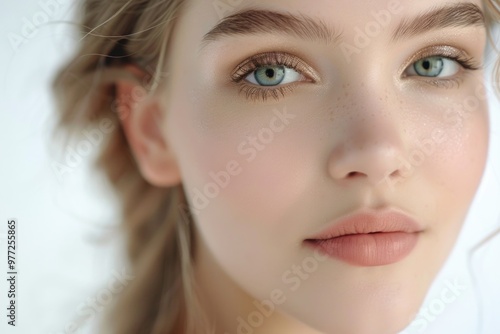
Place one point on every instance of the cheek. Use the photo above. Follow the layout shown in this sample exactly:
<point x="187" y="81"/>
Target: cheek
<point x="461" y="150"/>
<point x="243" y="181"/>
<point x="452" y="172"/>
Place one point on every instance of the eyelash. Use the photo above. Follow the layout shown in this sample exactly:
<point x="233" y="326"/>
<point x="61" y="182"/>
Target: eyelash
<point x="467" y="64"/>
<point x="253" y="92"/>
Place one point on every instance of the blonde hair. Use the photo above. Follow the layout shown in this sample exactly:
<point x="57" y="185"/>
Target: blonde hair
<point x="162" y="296"/>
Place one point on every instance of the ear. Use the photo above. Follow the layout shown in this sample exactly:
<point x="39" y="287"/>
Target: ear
<point x="141" y="117"/>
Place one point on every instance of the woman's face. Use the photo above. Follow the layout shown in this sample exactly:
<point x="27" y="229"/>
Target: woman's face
<point x="282" y="124"/>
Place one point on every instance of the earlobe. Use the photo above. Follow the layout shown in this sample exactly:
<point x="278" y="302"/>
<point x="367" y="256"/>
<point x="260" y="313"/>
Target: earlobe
<point x="141" y="116"/>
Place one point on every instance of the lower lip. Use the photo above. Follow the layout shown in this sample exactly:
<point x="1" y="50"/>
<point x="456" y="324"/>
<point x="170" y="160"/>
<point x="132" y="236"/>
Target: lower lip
<point x="374" y="249"/>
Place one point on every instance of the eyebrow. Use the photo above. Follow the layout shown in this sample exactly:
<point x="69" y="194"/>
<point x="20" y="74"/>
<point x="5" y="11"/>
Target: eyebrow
<point x="458" y="15"/>
<point x="255" y="21"/>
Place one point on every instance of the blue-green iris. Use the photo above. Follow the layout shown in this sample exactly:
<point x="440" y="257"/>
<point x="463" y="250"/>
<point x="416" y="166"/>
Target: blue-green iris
<point x="270" y="75"/>
<point x="429" y="67"/>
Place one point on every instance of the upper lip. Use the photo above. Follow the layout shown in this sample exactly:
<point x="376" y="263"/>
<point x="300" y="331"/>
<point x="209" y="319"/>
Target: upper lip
<point x="369" y="221"/>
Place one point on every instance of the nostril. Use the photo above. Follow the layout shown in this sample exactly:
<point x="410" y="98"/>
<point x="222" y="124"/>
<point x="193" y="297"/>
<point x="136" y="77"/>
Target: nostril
<point x="352" y="174"/>
<point x="396" y="173"/>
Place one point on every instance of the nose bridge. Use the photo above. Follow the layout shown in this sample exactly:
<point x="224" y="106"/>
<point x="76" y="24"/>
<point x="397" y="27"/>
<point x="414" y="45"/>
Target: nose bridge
<point x="376" y="112"/>
<point x="373" y="139"/>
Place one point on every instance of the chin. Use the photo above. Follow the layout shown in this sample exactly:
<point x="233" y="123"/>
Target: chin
<point x="366" y="324"/>
<point x="366" y="311"/>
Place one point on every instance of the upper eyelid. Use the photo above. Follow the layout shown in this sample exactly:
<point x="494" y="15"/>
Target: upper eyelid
<point x="444" y="51"/>
<point x="462" y="70"/>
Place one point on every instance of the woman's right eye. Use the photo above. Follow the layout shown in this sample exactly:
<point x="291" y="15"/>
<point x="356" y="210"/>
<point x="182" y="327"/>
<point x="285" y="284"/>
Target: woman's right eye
<point x="274" y="75"/>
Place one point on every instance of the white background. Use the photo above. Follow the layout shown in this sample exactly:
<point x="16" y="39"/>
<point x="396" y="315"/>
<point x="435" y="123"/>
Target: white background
<point x="68" y="246"/>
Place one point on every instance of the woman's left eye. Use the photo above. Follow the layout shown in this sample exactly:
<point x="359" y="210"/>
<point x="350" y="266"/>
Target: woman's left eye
<point x="434" y="67"/>
<point x="274" y="75"/>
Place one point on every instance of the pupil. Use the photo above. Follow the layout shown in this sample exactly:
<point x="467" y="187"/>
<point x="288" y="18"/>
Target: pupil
<point x="427" y="64"/>
<point x="270" y="73"/>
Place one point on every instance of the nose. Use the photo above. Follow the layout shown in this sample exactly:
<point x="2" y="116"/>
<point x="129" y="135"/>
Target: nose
<point x="370" y="150"/>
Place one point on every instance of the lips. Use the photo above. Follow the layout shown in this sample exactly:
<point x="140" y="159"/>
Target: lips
<point x="368" y="238"/>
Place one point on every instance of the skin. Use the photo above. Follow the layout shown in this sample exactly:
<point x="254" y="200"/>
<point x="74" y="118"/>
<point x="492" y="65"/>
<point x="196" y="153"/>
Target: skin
<point x="342" y="151"/>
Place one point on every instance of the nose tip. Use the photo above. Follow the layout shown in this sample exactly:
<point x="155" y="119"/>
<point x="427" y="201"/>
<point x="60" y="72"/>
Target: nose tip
<point x="371" y="163"/>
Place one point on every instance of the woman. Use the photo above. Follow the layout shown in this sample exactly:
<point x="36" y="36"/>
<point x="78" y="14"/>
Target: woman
<point x="283" y="167"/>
